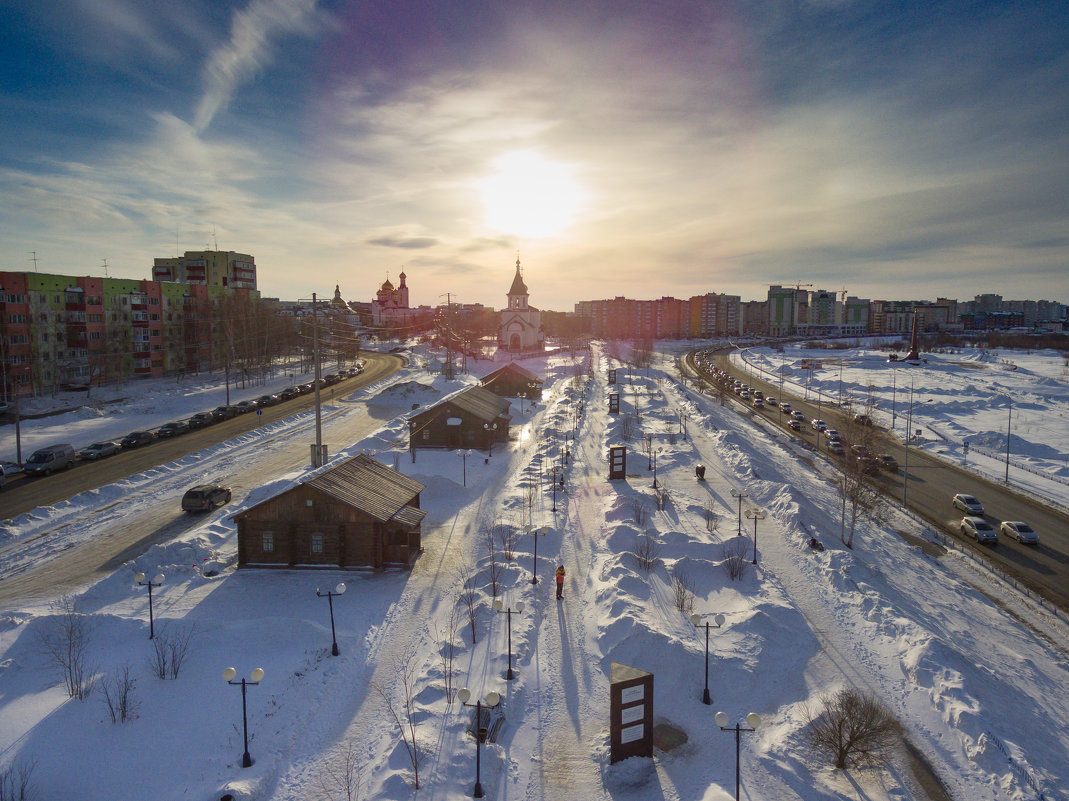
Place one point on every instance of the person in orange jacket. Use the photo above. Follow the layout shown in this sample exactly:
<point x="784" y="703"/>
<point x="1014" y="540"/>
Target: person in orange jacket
<point x="560" y="581"/>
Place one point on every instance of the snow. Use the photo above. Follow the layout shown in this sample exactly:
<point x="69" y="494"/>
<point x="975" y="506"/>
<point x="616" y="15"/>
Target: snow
<point x="976" y="684"/>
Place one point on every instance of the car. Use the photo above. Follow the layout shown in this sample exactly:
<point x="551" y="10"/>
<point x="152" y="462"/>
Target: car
<point x="832" y="435"/>
<point x="794" y="424"/>
<point x="819" y="424"/>
<point x="47" y="460"/>
<point x="289" y="393"/>
<point x="136" y="438"/>
<point x="863" y="419"/>
<point x="797" y="415"/>
<point x="354" y="371"/>
<point x="201" y="419"/>
<point x="99" y="450"/>
<point x="888" y="462"/>
<point x="1020" y="531"/>
<point x="205" y="498"/>
<point x="247" y="406"/>
<point x="786" y="407"/>
<point x="758" y="403"/>
<point x="304" y="389"/>
<point x="744" y="395"/>
<point x="869" y="465"/>
<point x="172" y="429"/>
<point x="224" y="412"/>
<point x="860" y="450"/>
<point x="836" y="447"/>
<point x="268" y="400"/>
<point x="979" y="529"/>
<point x="331" y="379"/>
<point x="770" y="401"/>
<point x="10" y="469"/>
<point x="968" y="503"/>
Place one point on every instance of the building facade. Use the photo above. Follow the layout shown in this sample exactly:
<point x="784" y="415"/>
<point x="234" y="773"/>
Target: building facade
<point x="218" y="268"/>
<point x="521" y="323"/>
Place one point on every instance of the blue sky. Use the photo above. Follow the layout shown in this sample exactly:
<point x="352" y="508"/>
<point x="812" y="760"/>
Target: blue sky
<point x="899" y="150"/>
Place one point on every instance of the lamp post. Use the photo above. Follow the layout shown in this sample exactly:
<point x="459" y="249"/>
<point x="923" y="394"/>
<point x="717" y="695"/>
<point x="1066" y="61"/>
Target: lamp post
<point x="722" y="721"/>
<point x="537" y="532"/>
<point x="718" y="621"/>
<point x="254" y="678"/>
<point x="553" y="481"/>
<point x="658" y="450"/>
<point x="740" y="496"/>
<point x="909" y="432"/>
<point x="330" y="601"/>
<point x="492" y="700"/>
<point x="499" y="606"/>
<point x="155" y="581"/>
<point x="755" y="515"/>
<point x="1009" y="413"/>
<point x="464" y="455"/>
<point x="490" y="428"/>
<point x="649" y="451"/>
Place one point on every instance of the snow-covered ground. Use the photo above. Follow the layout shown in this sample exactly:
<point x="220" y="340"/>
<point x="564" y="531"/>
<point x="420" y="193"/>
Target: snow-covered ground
<point x="978" y="686"/>
<point x="961" y="397"/>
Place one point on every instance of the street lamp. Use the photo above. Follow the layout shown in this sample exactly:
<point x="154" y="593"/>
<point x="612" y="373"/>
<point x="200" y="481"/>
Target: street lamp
<point x="755" y="515"/>
<point x="655" y="452"/>
<point x="330" y="601"/>
<point x="722" y="721"/>
<point x="492" y="700"/>
<point x="740" y="496"/>
<point x="537" y="532"/>
<point x="649" y="451"/>
<point x="490" y="428"/>
<point x="254" y="678"/>
<point x="909" y="433"/>
<point x="718" y="621"/>
<point x="553" y="481"/>
<point x="155" y="581"/>
<point x="499" y="606"/>
<point x="464" y="455"/>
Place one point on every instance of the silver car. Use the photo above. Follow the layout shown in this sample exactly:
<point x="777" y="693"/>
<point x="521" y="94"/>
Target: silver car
<point x="979" y="529"/>
<point x="968" y="504"/>
<point x="1020" y="531"/>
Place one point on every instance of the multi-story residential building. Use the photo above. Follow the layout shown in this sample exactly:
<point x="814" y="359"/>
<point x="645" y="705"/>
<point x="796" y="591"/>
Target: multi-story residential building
<point x="713" y="315"/>
<point x="220" y="268"/>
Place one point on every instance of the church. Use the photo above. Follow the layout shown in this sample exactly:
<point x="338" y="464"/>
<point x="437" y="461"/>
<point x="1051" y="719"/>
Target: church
<point x="521" y="323"/>
<point x="390" y="307"/>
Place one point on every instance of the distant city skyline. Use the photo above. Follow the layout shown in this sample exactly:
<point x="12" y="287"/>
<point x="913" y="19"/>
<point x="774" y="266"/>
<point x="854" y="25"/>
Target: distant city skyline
<point x="619" y="148"/>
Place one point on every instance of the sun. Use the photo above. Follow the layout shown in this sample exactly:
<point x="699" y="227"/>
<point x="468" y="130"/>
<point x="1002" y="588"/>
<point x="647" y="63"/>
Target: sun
<point x="529" y="196"/>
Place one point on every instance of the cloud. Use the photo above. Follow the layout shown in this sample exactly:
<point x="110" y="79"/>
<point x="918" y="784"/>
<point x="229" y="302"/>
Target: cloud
<point x="249" y="49"/>
<point x="403" y="242"/>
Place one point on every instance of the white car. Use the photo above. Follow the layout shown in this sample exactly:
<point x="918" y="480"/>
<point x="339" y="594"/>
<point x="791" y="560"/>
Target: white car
<point x="832" y="435"/>
<point x="786" y="407"/>
<point x="968" y="504"/>
<point x="819" y="425"/>
<point x="979" y="529"/>
<point x="1020" y="531"/>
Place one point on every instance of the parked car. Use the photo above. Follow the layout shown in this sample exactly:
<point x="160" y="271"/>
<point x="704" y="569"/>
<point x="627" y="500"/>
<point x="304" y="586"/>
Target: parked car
<point x="201" y="419"/>
<point x="205" y="498"/>
<point x="172" y="429"/>
<point x="968" y="504"/>
<point x="247" y="406"/>
<point x="136" y="438"/>
<point x="819" y="425"/>
<point x="99" y="450"/>
<point x="794" y="424"/>
<point x="1020" y="531"/>
<point x="888" y="462"/>
<point x="9" y="469"/>
<point x="47" y="460"/>
<point x="979" y="529"/>
<point x="224" y="412"/>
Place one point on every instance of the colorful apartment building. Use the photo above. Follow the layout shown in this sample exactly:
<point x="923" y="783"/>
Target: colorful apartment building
<point x="218" y="268"/>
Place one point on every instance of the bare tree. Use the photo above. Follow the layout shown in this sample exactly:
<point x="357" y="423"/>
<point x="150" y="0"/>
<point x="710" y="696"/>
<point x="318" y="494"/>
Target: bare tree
<point x="15" y="781"/>
<point x="469" y="595"/>
<point x="506" y="537"/>
<point x="639" y="510"/>
<point x="118" y="692"/>
<point x="854" y="729"/>
<point x="493" y="560"/>
<point x="647" y="552"/>
<point x="66" y="642"/>
<point x="170" y="649"/>
<point x="861" y="498"/>
<point x="447" y="647"/>
<point x="682" y="590"/>
<point x="341" y="782"/>
<point x="712" y="519"/>
<point x="735" y="561"/>
<point x="402" y="710"/>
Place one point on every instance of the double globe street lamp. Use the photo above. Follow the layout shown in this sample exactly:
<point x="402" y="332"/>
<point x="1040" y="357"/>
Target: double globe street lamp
<point x="255" y="678"/>
<point x="492" y="699"/>
<point x="722" y="720"/>
<point x="499" y="606"/>
<point x="718" y="621"/>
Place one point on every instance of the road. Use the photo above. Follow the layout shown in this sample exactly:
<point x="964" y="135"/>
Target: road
<point x="927" y="486"/>
<point x="29" y="569"/>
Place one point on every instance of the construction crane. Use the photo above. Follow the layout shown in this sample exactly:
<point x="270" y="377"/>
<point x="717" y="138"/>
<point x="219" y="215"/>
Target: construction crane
<point x="842" y="295"/>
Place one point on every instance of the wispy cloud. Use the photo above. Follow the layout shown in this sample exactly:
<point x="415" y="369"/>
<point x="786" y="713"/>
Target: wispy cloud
<point x="252" y="31"/>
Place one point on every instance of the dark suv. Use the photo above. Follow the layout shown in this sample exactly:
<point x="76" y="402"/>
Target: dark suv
<point x="135" y="438"/>
<point x="205" y="497"/>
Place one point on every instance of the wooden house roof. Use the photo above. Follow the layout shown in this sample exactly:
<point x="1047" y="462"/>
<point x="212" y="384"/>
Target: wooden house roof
<point x="372" y="487"/>
<point x="512" y="367"/>
<point x="477" y="401"/>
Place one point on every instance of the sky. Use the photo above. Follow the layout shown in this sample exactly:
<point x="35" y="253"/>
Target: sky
<point x="897" y="150"/>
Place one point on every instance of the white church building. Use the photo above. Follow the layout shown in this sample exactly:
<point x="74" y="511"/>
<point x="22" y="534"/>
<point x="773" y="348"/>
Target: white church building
<point x="521" y="323"/>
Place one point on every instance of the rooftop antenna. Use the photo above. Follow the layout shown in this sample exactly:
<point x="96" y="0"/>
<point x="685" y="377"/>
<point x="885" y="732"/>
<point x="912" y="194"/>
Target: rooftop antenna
<point x="33" y="254"/>
<point x="105" y="268"/>
<point x="215" y="241"/>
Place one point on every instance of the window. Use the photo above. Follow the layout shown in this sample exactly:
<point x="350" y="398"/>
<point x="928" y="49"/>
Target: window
<point x="317" y="543"/>
<point x="426" y="434"/>
<point x="269" y="543"/>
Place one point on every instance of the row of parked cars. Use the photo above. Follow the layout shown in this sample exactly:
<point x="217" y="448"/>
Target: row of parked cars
<point x="974" y="525"/>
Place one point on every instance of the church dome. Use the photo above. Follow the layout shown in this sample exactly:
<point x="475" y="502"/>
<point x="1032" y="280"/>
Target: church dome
<point x="387" y="286"/>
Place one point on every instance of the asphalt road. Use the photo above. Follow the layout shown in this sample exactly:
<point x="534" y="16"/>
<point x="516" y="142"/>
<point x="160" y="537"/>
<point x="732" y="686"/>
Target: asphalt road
<point x="929" y="484"/>
<point x="120" y="538"/>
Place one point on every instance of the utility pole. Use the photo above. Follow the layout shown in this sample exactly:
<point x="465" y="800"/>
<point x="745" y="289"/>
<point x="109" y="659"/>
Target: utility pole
<point x="317" y="454"/>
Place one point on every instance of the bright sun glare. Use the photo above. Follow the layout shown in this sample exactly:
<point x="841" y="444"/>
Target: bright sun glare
<point x="530" y="196"/>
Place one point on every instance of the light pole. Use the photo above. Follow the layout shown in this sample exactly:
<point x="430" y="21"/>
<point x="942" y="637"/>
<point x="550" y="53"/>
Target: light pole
<point x="722" y="721"/>
<point x="909" y="432"/>
<point x="490" y="428"/>
<point x="1009" y="413"/>
<point x="536" y="532"/>
<point x="740" y="496"/>
<point x="155" y="581"/>
<point x="464" y="455"/>
<point x="492" y="700"/>
<point x="649" y="451"/>
<point x="553" y="481"/>
<point x="658" y="450"/>
<point x="755" y="515"/>
<point x="499" y="606"/>
<point x="330" y="601"/>
<point x="718" y="621"/>
<point x="254" y="678"/>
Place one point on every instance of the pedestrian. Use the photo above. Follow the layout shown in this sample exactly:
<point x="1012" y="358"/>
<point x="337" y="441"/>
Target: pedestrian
<point x="560" y="581"/>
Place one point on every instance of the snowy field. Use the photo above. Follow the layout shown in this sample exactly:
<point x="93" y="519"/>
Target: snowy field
<point x="978" y="689"/>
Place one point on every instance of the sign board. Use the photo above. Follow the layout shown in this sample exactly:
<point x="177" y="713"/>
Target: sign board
<point x="453" y="421"/>
<point x="614" y="403"/>
<point x="618" y="461"/>
<point x="630" y="712"/>
<point x="612" y="376"/>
